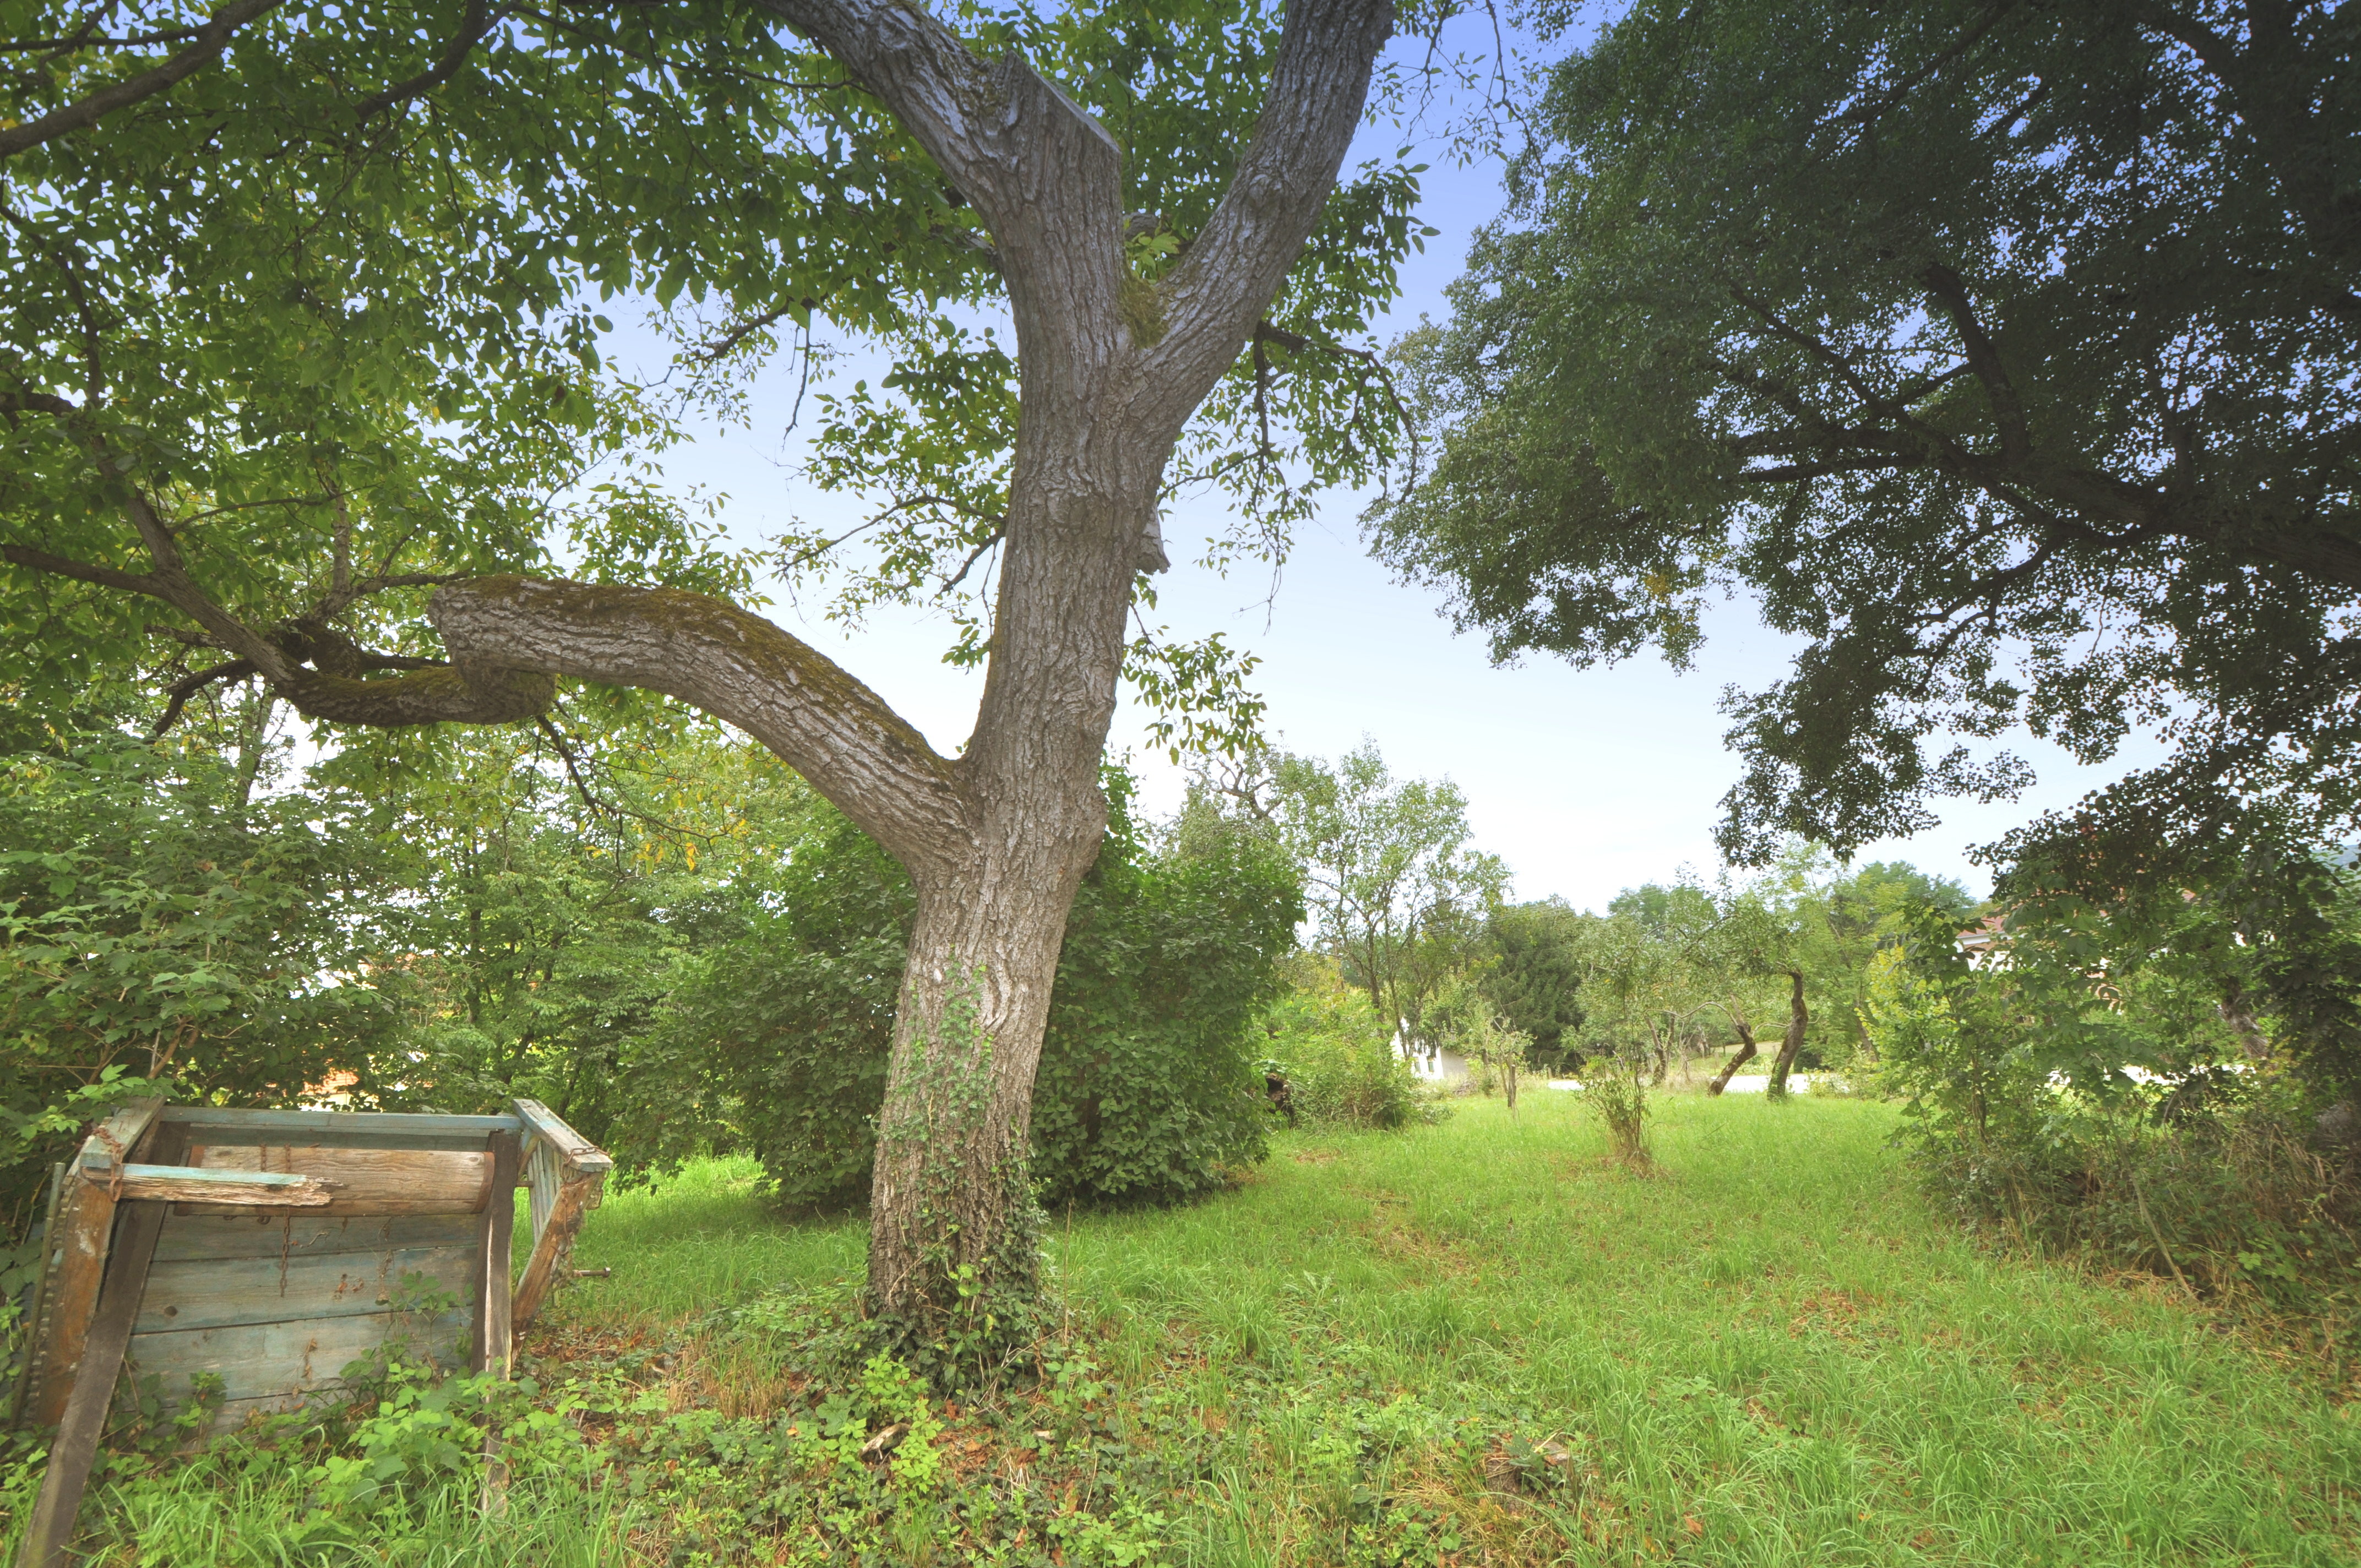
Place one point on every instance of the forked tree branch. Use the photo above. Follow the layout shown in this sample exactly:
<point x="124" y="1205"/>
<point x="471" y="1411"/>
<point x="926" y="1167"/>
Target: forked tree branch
<point x="2008" y="411"/>
<point x="1235" y="264"/>
<point x="179" y="693"/>
<point x="426" y="694"/>
<point x="478" y="20"/>
<point x="923" y="71"/>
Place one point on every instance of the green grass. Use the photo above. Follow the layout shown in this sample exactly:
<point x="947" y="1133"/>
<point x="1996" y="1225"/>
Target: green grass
<point x="1769" y="1337"/>
<point x="1767" y="1353"/>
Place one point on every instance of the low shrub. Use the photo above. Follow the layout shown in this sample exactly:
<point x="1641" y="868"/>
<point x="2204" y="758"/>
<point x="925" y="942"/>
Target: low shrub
<point x="1615" y="1090"/>
<point x="1331" y="1048"/>
<point x="2122" y="1118"/>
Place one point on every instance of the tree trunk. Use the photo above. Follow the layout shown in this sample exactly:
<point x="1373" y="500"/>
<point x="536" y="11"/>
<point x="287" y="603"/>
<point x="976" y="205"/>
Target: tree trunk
<point x="1113" y="365"/>
<point x="1112" y="369"/>
<point x="953" y="1248"/>
<point x="1745" y="1053"/>
<point x="1798" y="1018"/>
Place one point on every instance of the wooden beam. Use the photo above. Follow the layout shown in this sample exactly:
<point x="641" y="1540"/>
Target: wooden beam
<point x="567" y="1174"/>
<point x="21" y="1394"/>
<point x="366" y="1180"/>
<point x="115" y="1140"/>
<point x="550" y="1249"/>
<point x="198" y="1184"/>
<point x="578" y="1155"/>
<point x="50" y="1532"/>
<point x="77" y="1262"/>
<point x="339" y="1129"/>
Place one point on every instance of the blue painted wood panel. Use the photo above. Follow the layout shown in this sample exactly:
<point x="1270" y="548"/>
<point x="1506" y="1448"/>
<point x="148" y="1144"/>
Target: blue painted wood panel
<point x="215" y="1292"/>
<point x="289" y="1234"/>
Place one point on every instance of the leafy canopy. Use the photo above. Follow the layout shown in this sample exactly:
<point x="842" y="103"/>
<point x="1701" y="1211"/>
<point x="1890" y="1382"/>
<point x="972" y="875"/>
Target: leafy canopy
<point x="2002" y="353"/>
<point x="328" y="311"/>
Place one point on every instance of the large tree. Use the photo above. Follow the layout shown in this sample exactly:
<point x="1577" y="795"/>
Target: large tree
<point x="300" y="340"/>
<point x="2003" y="353"/>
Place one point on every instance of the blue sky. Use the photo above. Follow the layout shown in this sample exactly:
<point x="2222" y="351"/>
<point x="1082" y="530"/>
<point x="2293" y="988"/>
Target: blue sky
<point x="1585" y="781"/>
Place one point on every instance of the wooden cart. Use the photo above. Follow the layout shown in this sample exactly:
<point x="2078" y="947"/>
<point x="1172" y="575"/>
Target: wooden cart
<point x="272" y="1249"/>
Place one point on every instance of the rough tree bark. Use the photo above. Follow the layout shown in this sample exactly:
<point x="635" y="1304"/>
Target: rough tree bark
<point x="1799" y="1018"/>
<point x="995" y="841"/>
<point x="1745" y="1052"/>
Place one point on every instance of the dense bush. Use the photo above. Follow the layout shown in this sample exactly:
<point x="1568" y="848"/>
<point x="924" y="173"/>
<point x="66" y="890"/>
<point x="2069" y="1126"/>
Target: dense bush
<point x="158" y="925"/>
<point x="775" y="1037"/>
<point x="777" y="1042"/>
<point x="1150" y="1086"/>
<point x="2099" y="1094"/>
<point x="1332" y="1049"/>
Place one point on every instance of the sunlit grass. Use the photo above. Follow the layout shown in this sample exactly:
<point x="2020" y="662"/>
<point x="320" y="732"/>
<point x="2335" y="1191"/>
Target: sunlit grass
<point x="1771" y="1352"/>
<point x="1768" y="1353"/>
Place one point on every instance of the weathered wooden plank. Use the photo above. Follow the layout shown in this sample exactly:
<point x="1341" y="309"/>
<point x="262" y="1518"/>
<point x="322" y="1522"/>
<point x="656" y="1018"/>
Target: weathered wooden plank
<point x="76" y="1446"/>
<point x="213" y="1292"/>
<point x="550" y="1250"/>
<point x="251" y="1235"/>
<point x="117" y="1138"/>
<point x="258" y="1361"/>
<point x="339" y="1129"/>
<point x="21" y="1391"/>
<point x="567" y="1176"/>
<point x="78" y="1248"/>
<point x="247" y="1189"/>
<point x="577" y="1152"/>
<point x="494" y="1337"/>
<point x="370" y="1181"/>
<point x="77" y="1262"/>
<point x="544" y="1172"/>
<point x="50" y="1531"/>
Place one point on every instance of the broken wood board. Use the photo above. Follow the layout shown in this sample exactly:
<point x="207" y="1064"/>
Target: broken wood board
<point x="364" y="1180"/>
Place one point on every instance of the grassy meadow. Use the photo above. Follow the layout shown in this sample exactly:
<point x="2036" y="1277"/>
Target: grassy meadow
<point x="1474" y="1343"/>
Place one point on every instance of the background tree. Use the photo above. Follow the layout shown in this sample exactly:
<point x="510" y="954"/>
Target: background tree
<point x="1864" y="912"/>
<point x="1400" y="896"/>
<point x="1642" y="984"/>
<point x="2003" y="353"/>
<point x="302" y="331"/>
<point x="1762" y="933"/>
<point x="1535" y="978"/>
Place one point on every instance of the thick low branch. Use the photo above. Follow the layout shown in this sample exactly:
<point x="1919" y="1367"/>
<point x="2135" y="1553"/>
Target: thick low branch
<point x="836" y="732"/>
<point x="426" y="696"/>
<point x="37" y="403"/>
<point x="82" y="113"/>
